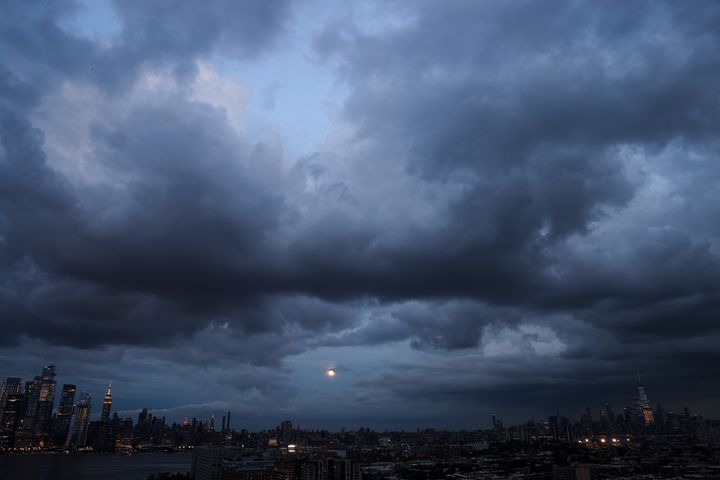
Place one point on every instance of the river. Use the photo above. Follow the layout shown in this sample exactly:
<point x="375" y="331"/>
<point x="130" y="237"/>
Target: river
<point x="91" y="466"/>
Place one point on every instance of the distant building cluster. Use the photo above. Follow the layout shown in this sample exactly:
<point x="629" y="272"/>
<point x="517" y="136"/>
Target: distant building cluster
<point x="28" y="420"/>
<point x="609" y="427"/>
<point x="641" y="440"/>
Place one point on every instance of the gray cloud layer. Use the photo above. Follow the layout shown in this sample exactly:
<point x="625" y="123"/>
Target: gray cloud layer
<point x="524" y="163"/>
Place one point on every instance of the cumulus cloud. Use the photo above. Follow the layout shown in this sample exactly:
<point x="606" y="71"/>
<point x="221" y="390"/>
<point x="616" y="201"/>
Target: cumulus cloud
<point x="517" y="196"/>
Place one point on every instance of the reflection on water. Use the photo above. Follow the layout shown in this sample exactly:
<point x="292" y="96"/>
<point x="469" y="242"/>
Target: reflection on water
<point x="91" y="466"/>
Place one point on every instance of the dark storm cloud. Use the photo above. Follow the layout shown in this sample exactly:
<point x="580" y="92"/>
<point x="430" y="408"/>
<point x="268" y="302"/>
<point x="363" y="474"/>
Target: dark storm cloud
<point x="195" y="209"/>
<point x="536" y="113"/>
<point x="517" y="379"/>
<point x="430" y="325"/>
<point x="36" y="201"/>
<point x="81" y="274"/>
<point x="527" y="107"/>
<point x="504" y="169"/>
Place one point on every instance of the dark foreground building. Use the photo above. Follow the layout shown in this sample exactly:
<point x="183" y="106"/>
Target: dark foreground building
<point x="228" y="463"/>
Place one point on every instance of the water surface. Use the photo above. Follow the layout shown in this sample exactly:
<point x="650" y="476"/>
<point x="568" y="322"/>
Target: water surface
<point x="91" y="466"/>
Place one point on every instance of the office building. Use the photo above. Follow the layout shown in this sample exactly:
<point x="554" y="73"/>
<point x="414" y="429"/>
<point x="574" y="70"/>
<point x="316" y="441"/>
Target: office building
<point x="643" y="404"/>
<point x="10" y="385"/>
<point x="11" y="418"/>
<point x="342" y="469"/>
<point x="107" y="405"/>
<point x="286" y="432"/>
<point x="32" y="397"/>
<point x="207" y="462"/>
<point x="248" y="470"/>
<point x="65" y="411"/>
<point x="80" y="421"/>
<point x="46" y="400"/>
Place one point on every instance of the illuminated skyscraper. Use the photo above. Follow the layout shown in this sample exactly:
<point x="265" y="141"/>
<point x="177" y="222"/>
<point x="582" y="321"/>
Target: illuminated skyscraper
<point x="643" y="404"/>
<point x="80" y="421"/>
<point x="40" y="396"/>
<point x="67" y="397"/>
<point x="46" y="399"/>
<point x="107" y="405"/>
<point x="11" y="416"/>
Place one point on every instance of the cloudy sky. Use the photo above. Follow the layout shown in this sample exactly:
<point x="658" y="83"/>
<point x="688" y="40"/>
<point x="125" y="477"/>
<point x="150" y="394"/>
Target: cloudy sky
<point x="464" y="207"/>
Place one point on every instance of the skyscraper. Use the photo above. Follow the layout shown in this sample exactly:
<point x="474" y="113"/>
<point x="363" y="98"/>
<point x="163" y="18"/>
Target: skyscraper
<point x="80" y="420"/>
<point x="142" y="418"/>
<point x="643" y="404"/>
<point x="46" y="399"/>
<point x="32" y="397"/>
<point x="11" y="416"/>
<point x="607" y="418"/>
<point x="107" y="405"/>
<point x="67" y="397"/>
<point x="40" y="396"/>
<point x="286" y="432"/>
<point x="65" y="411"/>
<point x="10" y="385"/>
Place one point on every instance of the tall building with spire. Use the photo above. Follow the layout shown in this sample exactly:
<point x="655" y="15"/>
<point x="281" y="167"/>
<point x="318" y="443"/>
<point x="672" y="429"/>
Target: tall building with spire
<point x="643" y="404"/>
<point x="107" y="405"/>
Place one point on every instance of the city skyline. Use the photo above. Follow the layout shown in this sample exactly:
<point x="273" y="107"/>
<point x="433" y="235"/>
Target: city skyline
<point x="63" y="409"/>
<point x="383" y="213"/>
<point x="639" y="440"/>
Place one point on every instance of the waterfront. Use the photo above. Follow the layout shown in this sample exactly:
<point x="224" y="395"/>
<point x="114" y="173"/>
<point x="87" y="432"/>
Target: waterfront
<point x="91" y="466"/>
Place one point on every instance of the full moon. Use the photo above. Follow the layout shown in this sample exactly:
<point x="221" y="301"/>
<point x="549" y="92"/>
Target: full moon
<point x="331" y="372"/>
